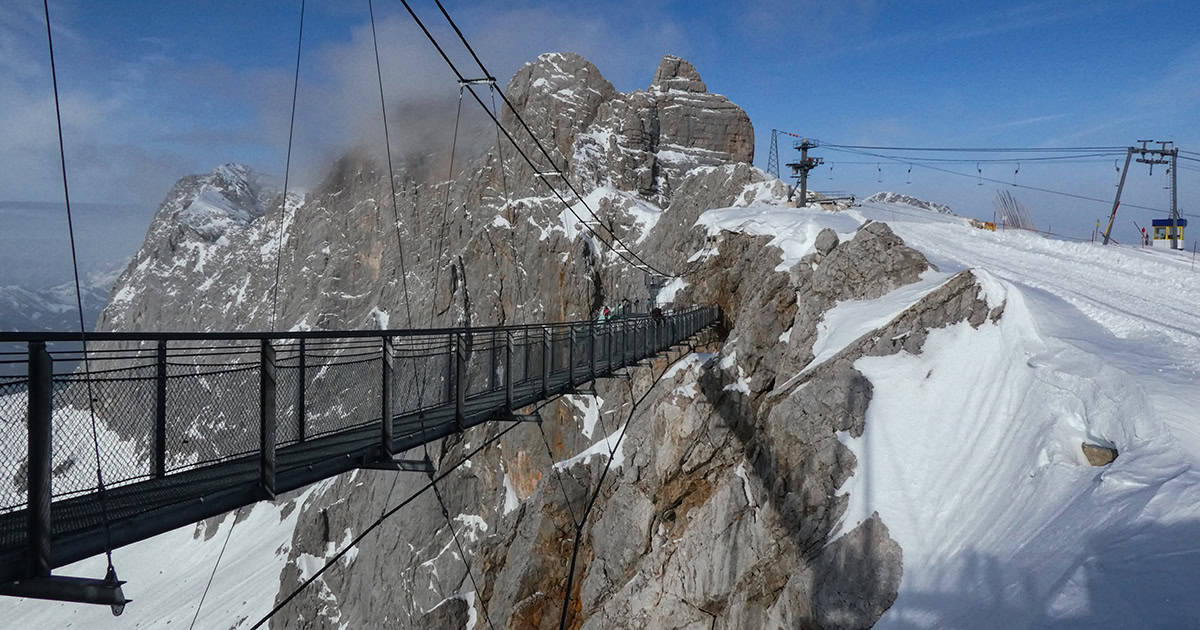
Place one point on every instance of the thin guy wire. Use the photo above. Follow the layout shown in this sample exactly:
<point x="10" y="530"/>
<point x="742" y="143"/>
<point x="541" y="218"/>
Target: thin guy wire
<point x="287" y="167"/>
<point x="379" y="521"/>
<point x="215" y="565"/>
<point x="87" y="370"/>
<point x="562" y="624"/>
<point x="462" y="555"/>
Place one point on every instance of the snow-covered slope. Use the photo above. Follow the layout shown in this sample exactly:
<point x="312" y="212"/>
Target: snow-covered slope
<point x="972" y="449"/>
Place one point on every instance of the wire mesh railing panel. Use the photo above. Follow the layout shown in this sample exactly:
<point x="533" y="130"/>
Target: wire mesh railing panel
<point x="212" y="414"/>
<point x="343" y="394"/>
<point x="14" y="439"/>
<point x="420" y="372"/>
<point x="287" y="401"/>
<point x="123" y="400"/>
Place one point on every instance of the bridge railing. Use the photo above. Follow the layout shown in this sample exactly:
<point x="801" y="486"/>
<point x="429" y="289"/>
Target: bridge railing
<point x="171" y="402"/>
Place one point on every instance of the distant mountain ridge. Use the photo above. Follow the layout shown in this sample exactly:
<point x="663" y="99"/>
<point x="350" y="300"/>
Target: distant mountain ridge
<point x="892" y="197"/>
<point x="54" y="308"/>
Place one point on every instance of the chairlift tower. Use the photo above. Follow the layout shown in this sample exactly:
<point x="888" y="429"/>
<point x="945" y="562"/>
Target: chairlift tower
<point x="773" y="154"/>
<point x="1165" y="153"/>
<point x="800" y="169"/>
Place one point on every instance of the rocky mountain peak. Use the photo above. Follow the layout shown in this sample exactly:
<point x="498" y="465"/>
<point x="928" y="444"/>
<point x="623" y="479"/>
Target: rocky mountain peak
<point x="231" y="195"/>
<point x="641" y="142"/>
<point x="675" y="73"/>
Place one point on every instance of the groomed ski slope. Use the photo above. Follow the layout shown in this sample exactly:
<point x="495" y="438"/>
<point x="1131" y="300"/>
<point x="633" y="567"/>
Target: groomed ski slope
<point x="971" y="453"/>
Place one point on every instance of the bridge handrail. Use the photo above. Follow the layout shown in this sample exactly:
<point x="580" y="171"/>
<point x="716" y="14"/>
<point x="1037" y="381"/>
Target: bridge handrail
<point x="50" y="336"/>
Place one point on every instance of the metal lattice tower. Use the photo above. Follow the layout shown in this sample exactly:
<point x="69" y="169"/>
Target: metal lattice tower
<point x="773" y="154"/>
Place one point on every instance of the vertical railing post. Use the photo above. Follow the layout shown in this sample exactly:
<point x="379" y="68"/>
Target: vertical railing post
<point x="508" y="373"/>
<point x="592" y="351"/>
<point x="645" y="339"/>
<point x="626" y="327"/>
<point x="571" y="356"/>
<point x="40" y="459"/>
<point x="302" y="381"/>
<point x="547" y="355"/>
<point x="448" y="393"/>
<point x="527" y="353"/>
<point x="608" y="348"/>
<point x="385" y="395"/>
<point x="493" y="380"/>
<point x="160" y="411"/>
<point x="460" y="381"/>
<point x="266" y="398"/>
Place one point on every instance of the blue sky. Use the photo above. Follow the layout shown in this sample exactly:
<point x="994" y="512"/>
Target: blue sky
<point x="155" y="90"/>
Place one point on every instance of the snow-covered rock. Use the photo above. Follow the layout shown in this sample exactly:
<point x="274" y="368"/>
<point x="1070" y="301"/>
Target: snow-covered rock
<point x="907" y="200"/>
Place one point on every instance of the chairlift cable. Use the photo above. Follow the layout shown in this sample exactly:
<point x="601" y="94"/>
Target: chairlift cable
<point x="1023" y="186"/>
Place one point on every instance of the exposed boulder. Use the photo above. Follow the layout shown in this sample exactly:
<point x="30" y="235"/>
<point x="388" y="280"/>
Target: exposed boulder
<point x="827" y="239"/>
<point x="1099" y="455"/>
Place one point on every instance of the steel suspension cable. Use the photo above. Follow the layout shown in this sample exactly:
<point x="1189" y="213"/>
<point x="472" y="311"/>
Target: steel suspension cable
<point x="541" y="147"/>
<point x="87" y="370"/>
<point x="437" y="268"/>
<point x="387" y="143"/>
<point x="399" y="241"/>
<point x="287" y="168"/>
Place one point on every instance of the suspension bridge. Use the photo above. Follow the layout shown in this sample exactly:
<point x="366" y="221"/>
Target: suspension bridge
<point x="279" y="411"/>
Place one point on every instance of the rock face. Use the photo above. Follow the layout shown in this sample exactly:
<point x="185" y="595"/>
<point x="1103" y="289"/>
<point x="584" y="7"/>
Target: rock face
<point x="688" y="493"/>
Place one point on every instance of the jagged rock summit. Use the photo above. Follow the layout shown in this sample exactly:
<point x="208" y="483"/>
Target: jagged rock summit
<point x="675" y="73"/>
<point x="641" y="142"/>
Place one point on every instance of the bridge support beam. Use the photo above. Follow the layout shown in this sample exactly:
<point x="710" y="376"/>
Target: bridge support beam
<point x="40" y="444"/>
<point x="266" y="391"/>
